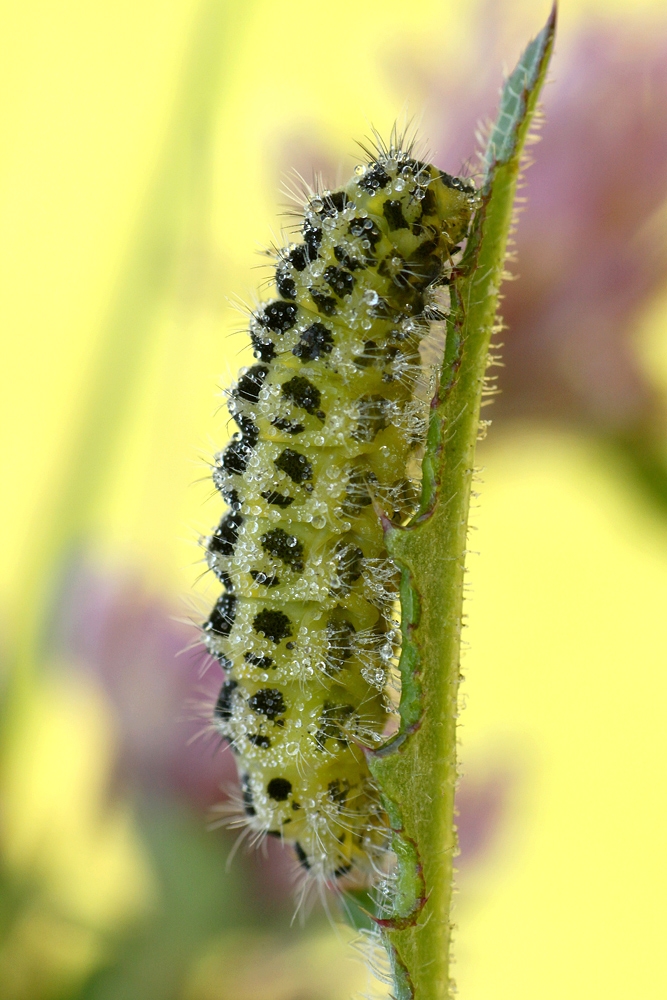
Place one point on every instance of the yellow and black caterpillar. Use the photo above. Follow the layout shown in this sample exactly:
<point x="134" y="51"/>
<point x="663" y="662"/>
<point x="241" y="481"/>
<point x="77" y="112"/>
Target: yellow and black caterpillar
<point x="328" y="419"/>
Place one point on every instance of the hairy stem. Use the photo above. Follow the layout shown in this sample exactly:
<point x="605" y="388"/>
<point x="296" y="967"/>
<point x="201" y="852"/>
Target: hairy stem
<point x="416" y="772"/>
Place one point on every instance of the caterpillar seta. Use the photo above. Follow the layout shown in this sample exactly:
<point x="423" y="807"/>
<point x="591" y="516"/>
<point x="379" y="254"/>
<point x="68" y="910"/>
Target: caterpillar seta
<point x="329" y="421"/>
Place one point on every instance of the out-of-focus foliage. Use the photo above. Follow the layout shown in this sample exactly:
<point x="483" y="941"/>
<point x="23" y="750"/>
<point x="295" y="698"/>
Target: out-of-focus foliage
<point x="144" y="147"/>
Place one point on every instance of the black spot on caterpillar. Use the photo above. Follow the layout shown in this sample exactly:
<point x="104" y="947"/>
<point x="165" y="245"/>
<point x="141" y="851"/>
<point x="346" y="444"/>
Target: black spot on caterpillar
<point x="329" y="419"/>
<point x="223" y="706"/>
<point x="272" y="624"/>
<point x="221" y="619"/>
<point x="226" y="534"/>
<point x="268" y="702"/>
<point x="313" y="343"/>
<point x="303" y="394"/>
<point x="279" y="789"/>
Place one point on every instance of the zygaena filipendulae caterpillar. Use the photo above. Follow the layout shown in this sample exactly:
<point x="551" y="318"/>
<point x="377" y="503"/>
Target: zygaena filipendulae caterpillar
<point x="329" y="420"/>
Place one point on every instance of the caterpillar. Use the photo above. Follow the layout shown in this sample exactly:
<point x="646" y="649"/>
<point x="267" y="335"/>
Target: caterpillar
<point x="329" y="419"/>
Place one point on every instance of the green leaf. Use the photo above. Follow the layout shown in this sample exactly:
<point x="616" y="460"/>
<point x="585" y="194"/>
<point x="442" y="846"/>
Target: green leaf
<point x="518" y="99"/>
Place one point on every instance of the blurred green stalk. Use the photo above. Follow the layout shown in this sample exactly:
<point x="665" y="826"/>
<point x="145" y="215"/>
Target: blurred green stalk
<point x="416" y="772"/>
<point x="175" y="204"/>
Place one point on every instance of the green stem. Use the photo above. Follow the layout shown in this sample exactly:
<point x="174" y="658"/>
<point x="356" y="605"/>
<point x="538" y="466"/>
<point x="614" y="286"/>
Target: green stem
<point x="171" y="209"/>
<point x="417" y="771"/>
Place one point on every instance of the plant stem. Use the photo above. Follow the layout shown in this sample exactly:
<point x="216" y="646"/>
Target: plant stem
<point x="417" y="770"/>
<point x="67" y="522"/>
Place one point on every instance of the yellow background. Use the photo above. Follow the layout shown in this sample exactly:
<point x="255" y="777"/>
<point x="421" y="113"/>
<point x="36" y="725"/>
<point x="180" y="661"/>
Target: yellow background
<point x="566" y="679"/>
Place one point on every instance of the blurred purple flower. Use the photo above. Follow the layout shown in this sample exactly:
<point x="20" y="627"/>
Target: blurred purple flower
<point x="154" y="677"/>
<point x="161" y="689"/>
<point x="587" y="259"/>
<point x="482" y="803"/>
